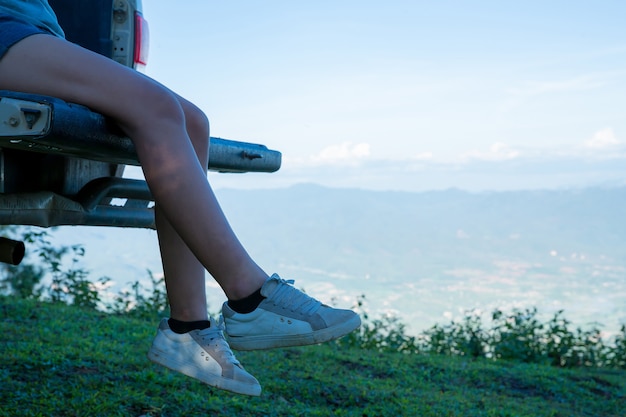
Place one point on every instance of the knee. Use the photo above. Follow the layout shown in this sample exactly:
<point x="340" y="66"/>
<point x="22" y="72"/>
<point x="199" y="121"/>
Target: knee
<point x="197" y="122"/>
<point x="155" y="109"/>
<point x="198" y="129"/>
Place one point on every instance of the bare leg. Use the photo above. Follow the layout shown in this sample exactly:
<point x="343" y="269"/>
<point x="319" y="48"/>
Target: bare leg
<point x="155" y="118"/>
<point x="184" y="274"/>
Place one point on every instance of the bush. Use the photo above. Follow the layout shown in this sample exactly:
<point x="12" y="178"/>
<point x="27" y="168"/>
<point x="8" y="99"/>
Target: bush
<point x="615" y="356"/>
<point x="516" y="336"/>
<point x="68" y="284"/>
<point x="465" y="338"/>
<point x="135" y="303"/>
<point x="60" y="277"/>
<point x="385" y="334"/>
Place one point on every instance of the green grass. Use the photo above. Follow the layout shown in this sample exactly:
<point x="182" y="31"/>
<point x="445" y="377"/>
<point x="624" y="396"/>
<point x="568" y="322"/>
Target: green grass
<point x="57" y="360"/>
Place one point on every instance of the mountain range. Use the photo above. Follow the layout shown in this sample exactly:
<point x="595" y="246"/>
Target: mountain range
<point x="427" y="257"/>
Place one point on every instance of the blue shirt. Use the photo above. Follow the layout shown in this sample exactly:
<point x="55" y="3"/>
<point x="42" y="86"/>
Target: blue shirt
<point x="36" y="12"/>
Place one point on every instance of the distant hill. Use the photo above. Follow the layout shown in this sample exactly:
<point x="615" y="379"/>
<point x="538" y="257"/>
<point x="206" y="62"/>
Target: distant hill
<point x="392" y="234"/>
<point x="444" y="251"/>
<point x="426" y="256"/>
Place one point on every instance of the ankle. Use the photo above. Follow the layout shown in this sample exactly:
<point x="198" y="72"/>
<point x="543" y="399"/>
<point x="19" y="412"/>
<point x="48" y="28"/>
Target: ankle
<point x="243" y="288"/>
<point x="247" y="304"/>
<point x="187" y="314"/>
<point x="180" y="327"/>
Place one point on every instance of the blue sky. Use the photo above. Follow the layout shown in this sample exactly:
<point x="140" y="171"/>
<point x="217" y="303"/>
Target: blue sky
<point x="406" y="94"/>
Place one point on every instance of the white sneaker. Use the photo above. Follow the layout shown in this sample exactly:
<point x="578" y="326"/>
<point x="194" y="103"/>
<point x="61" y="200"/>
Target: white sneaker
<point x="286" y="317"/>
<point x="204" y="355"/>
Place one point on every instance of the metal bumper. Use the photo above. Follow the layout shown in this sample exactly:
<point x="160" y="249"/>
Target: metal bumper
<point x="48" y="125"/>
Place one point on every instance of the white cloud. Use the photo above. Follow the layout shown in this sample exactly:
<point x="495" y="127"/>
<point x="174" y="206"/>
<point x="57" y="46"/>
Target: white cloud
<point x="345" y="152"/>
<point x="461" y="234"/>
<point x="602" y="139"/>
<point x="423" y="156"/>
<point x="497" y="152"/>
<point x="534" y="88"/>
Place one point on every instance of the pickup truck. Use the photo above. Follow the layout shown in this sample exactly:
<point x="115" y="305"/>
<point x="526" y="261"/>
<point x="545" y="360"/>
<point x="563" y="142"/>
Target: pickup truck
<point x="62" y="164"/>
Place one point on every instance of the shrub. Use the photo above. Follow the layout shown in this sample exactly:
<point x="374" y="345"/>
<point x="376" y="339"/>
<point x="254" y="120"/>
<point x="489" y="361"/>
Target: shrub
<point x="136" y="303"/>
<point x="67" y="283"/>
<point x="384" y="334"/>
<point x="464" y="338"/>
<point x="516" y="336"/>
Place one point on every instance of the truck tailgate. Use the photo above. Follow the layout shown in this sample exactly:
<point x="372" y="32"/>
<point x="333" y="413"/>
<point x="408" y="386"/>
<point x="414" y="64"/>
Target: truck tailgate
<point x="50" y="125"/>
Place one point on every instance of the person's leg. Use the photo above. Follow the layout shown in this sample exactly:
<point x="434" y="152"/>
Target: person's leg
<point x="184" y="274"/>
<point x="160" y="125"/>
<point x="154" y="118"/>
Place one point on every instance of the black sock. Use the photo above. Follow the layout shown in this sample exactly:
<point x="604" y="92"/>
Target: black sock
<point x="248" y="304"/>
<point x="181" y="327"/>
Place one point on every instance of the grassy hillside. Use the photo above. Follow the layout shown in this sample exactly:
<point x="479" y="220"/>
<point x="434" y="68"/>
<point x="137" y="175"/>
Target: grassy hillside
<point x="65" y="361"/>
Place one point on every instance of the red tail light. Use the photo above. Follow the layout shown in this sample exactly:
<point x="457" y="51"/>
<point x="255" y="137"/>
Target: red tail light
<point x="142" y="40"/>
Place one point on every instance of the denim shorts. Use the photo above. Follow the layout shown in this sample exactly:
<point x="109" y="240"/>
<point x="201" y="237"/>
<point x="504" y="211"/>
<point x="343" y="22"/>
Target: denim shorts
<point x="13" y="30"/>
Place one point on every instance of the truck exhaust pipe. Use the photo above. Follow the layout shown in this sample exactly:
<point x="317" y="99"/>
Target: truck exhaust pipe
<point x="11" y="251"/>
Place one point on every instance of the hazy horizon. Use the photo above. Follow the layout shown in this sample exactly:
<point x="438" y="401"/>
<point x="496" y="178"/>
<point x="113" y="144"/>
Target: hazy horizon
<point x="406" y="95"/>
<point x="425" y="256"/>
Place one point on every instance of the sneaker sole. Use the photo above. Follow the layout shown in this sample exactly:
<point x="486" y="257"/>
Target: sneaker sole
<point x="263" y="342"/>
<point x="213" y="380"/>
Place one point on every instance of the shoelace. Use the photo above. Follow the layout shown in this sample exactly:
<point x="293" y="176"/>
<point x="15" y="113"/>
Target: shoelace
<point x="286" y="295"/>
<point x="214" y="336"/>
